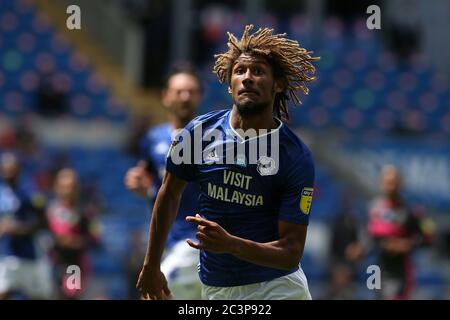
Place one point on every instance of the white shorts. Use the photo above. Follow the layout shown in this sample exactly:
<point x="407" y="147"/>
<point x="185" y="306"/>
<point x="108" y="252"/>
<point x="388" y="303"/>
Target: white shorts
<point x="180" y="266"/>
<point x="293" y="286"/>
<point x="30" y="277"/>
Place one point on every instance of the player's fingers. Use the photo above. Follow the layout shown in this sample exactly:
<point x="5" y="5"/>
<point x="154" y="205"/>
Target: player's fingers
<point x="209" y="223"/>
<point x="199" y="221"/>
<point x="131" y="185"/>
<point x="203" y="229"/>
<point x="167" y="291"/>
<point x="132" y="172"/>
<point x="194" y="245"/>
<point x="202" y="237"/>
<point x="194" y="219"/>
<point x="139" y="283"/>
<point x="128" y="178"/>
<point x="129" y="171"/>
<point x="132" y="177"/>
<point x="137" y="172"/>
<point x="160" y="295"/>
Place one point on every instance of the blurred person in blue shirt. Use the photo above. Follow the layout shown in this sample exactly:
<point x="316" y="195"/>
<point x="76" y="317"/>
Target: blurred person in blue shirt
<point x="23" y="270"/>
<point x="181" y="96"/>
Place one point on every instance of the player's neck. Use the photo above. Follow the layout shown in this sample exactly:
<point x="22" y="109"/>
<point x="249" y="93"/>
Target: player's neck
<point x="12" y="183"/>
<point x="264" y="120"/>
<point x="68" y="201"/>
<point x="394" y="199"/>
<point x="177" y="123"/>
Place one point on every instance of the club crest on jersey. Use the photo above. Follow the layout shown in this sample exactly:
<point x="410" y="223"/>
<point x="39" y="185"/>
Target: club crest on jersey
<point x="266" y="166"/>
<point x="212" y="157"/>
<point x="241" y="160"/>
<point x="306" y="200"/>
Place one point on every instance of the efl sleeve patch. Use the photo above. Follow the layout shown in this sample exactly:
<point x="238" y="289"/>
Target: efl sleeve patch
<point x="306" y="200"/>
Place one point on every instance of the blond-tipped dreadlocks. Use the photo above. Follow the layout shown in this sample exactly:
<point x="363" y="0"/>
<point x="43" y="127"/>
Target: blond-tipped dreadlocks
<point x="290" y="62"/>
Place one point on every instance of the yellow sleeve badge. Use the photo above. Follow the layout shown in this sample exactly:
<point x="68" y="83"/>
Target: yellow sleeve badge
<point x="306" y="200"/>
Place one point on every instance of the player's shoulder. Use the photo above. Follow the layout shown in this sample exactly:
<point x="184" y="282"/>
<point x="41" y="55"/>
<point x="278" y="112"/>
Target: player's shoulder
<point x="159" y="129"/>
<point x="293" y="144"/>
<point x="213" y="115"/>
<point x="29" y="192"/>
<point x="208" y="119"/>
<point x="158" y="132"/>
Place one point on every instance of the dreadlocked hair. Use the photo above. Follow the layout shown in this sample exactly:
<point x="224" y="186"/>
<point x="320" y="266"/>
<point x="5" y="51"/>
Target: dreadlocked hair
<point x="290" y="63"/>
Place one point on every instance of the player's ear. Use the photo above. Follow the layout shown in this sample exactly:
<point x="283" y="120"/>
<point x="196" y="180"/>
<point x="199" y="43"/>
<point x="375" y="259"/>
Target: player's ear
<point x="279" y="86"/>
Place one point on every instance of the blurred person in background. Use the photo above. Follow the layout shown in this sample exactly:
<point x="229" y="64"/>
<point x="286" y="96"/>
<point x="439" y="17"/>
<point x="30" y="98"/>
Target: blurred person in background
<point x="24" y="272"/>
<point x="133" y="262"/>
<point x="74" y="232"/>
<point x="51" y="100"/>
<point x="397" y="229"/>
<point x="345" y="251"/>
<point x="181" y="96"/>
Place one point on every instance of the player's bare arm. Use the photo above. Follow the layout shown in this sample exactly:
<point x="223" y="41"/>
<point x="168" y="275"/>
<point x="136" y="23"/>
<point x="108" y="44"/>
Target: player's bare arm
<point x="14" y="227"/>
<point x="397" y="245"/>
<point x="9" y="226"/>
<point x="151" y="282"/>
<point x="284" y="253"/>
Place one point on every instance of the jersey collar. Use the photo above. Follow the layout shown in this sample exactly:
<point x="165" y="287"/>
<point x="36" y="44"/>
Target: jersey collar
<point x="241" y="139"/>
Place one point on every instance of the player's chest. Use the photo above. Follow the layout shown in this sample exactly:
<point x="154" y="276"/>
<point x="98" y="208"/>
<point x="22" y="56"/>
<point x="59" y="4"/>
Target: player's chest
<point x="397" y="216"/>
<point x="10" y="203"/>
<point x="239" y="184"/>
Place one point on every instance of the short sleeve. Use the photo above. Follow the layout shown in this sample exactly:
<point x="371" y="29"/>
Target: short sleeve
<point x="297" y="195"/>
<point x="180" y="158"/>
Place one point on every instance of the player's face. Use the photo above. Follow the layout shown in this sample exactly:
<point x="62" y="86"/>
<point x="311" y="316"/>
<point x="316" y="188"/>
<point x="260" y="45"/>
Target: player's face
<point x="390" y="182"/>
<point x="252" y="84"/>
<point x="66" y="184"/>
<point x="182" y="96"/>
<point x="9" y="168"/>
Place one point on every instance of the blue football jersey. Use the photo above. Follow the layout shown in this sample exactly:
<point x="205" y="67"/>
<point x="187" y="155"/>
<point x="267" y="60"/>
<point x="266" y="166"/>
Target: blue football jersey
<point x="154" y="148"/>
<point x="247" y="198"/>
<point x="18" y="204"/>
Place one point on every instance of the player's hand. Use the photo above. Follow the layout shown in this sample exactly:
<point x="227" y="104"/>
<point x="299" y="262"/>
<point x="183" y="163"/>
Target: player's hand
<point x="75" y="242"/>
<point x="397" y="245"/>
<point x="9" y="226"/>
<point x="138" y="180"/>
<point x="212" y="237"/>
<point x="153" y="285"/>
<point x="353" y="252"/>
